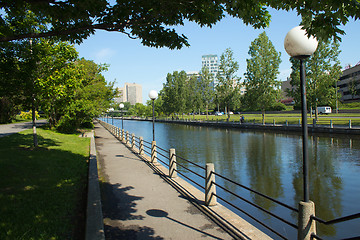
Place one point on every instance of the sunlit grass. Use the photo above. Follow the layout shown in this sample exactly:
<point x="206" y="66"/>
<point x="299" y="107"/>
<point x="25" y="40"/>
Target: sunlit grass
<point x="42" y="189"/>
<point x="281" y="118"/>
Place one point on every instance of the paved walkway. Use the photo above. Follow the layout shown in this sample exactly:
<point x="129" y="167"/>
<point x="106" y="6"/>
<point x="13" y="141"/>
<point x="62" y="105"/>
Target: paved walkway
<point x="140" y="204"/>
<point x="7" y="129"/>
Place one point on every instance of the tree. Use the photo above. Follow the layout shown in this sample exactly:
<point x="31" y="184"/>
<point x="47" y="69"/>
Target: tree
<point x="353" y="87"/>
<point x="174" y="93"/>
<point x="207" y="92"/>
<point x="93" y="96"/>
<point x="262" y="85"/>
<point x="153" y="21"/>
<point x="323" y="70"/>
<point x="193" y="97"/>
<point x="227" y="89"/>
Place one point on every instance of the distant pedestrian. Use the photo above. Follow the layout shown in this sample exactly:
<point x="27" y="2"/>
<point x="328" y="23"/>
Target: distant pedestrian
<point x="242" y="119"/>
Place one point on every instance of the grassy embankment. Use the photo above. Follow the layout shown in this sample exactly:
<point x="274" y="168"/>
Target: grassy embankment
<point x="292" y="118"/>
<point x="43" y="190"/>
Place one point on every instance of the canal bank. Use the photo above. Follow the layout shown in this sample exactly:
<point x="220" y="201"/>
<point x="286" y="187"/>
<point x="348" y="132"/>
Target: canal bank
<point x="312" y="128"/>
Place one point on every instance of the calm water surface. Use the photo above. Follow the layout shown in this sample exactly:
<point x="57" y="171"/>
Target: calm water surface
<point x="271" y="163"/>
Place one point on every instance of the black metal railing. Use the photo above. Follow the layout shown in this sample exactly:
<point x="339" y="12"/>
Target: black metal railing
<point x="334" y="221"/>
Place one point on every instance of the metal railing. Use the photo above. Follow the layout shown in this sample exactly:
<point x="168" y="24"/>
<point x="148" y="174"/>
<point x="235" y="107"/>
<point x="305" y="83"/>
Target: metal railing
<point x="334" y="221"/>
<point x="168" y="158"/>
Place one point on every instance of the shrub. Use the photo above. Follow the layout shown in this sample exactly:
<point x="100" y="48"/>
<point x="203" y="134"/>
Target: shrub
<point x="278" y="106"/>
<point x="28" y="115"/>
<point x="67" y="124"/>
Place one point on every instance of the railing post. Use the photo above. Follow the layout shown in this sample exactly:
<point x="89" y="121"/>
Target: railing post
<point x="123" y="135"/>
<point x="141" y="147"/>
<point x="153" y="152"/>
<point x="133" y="141"/>
<point x="172" y="163"/>
<point x="306" y="226"/>
<point x="127" y="138"/>
<point x="331" y="124"/>
<point x="350" y="123"/>
<point x="210" y="188"/>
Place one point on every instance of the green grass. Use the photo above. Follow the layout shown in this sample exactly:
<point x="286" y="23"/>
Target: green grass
<point x="42" y="190"/>
<point x="292" y="118"/>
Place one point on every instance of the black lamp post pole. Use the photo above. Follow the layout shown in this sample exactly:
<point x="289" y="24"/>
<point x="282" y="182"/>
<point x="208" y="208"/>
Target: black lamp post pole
<point x="122" y="119"/>
<point x="153" y="120"/>
<point x="304" y="132"/>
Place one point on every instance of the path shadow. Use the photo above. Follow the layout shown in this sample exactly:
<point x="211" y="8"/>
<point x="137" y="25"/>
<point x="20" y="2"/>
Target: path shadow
<point x="118" y="205"/>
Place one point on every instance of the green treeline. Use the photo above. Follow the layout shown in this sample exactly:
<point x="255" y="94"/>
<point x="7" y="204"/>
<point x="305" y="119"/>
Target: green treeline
<point x="260" y="90"/>
<point x="49" y="77"/>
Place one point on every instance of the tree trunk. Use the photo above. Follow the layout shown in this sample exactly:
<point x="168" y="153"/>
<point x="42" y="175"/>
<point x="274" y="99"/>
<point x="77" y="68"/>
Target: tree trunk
<point x="207" y="112"/>
<point x="34" y="123"/>
<point x="263" y="116"/>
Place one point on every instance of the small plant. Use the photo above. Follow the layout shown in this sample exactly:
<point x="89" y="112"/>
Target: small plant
<point x="28" y="115"/>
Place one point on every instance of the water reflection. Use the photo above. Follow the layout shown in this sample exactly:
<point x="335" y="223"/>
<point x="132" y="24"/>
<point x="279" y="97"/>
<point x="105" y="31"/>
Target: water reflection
<point x="325" y="183"/>
<point x="264" y="168"/>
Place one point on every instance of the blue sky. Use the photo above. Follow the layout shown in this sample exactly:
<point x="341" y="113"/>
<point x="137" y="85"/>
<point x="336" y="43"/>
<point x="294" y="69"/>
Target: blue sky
<point x="132" y="62"/>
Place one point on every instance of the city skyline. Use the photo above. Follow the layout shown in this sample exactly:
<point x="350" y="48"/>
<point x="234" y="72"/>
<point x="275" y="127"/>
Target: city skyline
<point x="132" y="62"/>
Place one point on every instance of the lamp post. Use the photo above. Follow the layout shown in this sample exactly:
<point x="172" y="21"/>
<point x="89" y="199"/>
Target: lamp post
<point x="298" y="45"/>
<point x="122" y="116"/>
<point x="153" y="95"/>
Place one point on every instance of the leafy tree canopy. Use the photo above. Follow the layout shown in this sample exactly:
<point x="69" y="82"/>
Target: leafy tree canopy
<point x="153" y="21"/>
<point x="262" y="85"/>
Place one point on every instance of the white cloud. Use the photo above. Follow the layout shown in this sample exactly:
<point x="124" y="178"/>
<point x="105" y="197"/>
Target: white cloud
<point x="104" y="54"/>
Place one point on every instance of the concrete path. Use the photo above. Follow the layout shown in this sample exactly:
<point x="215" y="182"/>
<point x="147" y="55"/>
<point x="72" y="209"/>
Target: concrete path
<point x="140" y="204"/>
<point x="7" y="129"/>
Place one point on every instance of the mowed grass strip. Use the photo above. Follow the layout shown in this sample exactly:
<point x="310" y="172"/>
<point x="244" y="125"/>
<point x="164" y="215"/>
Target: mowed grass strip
<point x="43" y="190"/>
<point x="281" y="118"/>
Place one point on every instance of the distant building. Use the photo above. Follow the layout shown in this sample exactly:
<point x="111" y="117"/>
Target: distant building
<point x="212" y="63"/>
<point x="193" y="74"/>
<point x="349" y="84"/>
<point x="285" y="85"/>
<point x="131" y="92"/>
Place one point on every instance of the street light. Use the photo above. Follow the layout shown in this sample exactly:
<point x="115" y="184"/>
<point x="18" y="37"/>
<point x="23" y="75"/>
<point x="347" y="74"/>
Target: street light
<point x="122" y="116"/>
<point x="298" y="45"/>
<point x="112" y="115"/>
<point x="153" y="95"/>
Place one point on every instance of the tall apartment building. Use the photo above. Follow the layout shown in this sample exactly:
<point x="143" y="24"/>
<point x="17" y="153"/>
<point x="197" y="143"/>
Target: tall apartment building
<point x="131" y="92"/>
<point x="349" y="84"/>
<point x="212" y="63"/>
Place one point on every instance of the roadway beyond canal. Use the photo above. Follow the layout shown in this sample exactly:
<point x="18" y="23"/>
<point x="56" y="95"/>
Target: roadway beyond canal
<point x="140" y="202"/>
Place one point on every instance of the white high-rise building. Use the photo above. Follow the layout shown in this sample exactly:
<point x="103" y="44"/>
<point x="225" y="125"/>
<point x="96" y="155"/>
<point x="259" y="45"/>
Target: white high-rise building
<point x="131" y="92"/>
<point x="211" y="62"/>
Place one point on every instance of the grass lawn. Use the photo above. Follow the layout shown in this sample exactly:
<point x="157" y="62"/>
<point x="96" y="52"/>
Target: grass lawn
<point x="280" y="118"/>
<point x="43" y="190"/>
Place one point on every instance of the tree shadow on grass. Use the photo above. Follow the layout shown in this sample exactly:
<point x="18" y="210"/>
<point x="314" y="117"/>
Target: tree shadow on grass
<point x="42" y="191"/>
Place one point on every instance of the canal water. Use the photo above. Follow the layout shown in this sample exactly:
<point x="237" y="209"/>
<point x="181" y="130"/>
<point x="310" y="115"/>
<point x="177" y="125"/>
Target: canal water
<point x="271" y="163"/>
